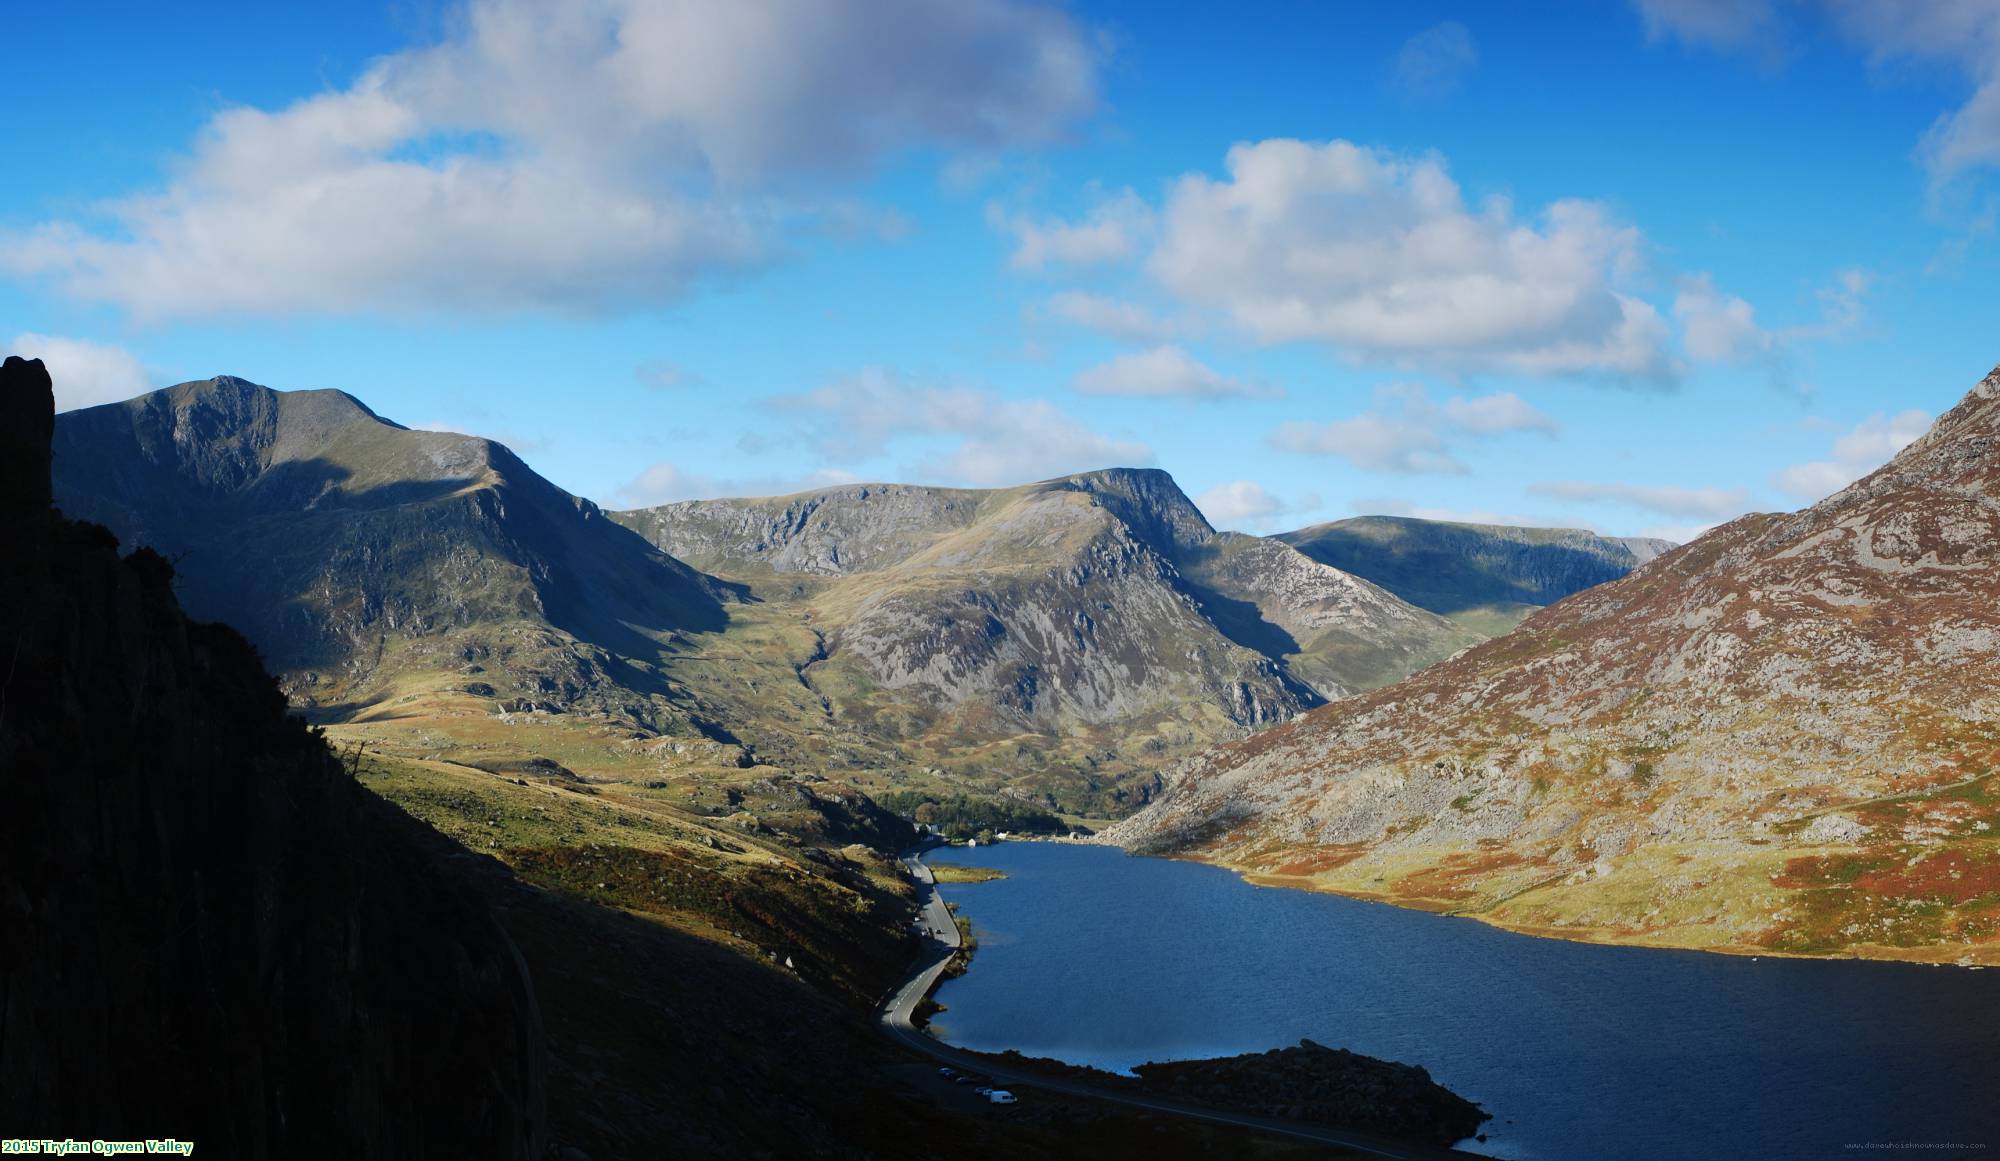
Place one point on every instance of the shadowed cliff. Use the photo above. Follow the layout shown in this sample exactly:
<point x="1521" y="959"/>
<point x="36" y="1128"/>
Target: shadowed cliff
<point x="207" y="929"/>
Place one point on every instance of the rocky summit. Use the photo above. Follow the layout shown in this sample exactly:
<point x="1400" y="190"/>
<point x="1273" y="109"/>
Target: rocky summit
<point x="370" y="562"/>
<point x="1779" y="738"/>
<point x="1096" y="618"/>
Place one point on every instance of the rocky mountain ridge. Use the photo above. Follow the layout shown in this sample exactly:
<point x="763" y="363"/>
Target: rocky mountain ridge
<point x="1101" y="603"/>
<point x="1778" y="738"/>
<point x="356" y="552"/>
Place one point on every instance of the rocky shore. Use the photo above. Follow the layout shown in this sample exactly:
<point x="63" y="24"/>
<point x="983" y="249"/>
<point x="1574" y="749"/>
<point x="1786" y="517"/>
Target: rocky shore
<point x="1310" y="1083"/>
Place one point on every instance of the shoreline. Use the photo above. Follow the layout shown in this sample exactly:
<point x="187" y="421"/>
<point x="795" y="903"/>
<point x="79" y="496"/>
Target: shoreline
<point x="1596" y="936"/>
<point x="896" y="1017"/>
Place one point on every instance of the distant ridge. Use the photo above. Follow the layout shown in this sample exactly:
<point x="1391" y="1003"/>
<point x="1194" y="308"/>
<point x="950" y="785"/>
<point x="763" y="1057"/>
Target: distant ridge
<point x="1485" y="575"/>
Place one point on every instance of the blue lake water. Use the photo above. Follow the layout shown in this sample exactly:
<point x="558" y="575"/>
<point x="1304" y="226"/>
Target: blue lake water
<point x="1091" y="956"/>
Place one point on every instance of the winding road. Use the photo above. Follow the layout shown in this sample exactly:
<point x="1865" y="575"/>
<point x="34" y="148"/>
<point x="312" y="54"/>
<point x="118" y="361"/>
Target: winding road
<point x="900" y="1008"/>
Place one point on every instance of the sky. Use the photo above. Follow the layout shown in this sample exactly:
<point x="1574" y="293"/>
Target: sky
<point x="1632" y="265"/>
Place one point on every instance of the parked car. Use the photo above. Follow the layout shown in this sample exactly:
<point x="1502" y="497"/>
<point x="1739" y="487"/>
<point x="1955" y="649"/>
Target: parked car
<point x="1001" y="1096"/>
<point x="984" y="1090"/>
<point x="948" y="1073"/>
<point x="961" y="1078"/>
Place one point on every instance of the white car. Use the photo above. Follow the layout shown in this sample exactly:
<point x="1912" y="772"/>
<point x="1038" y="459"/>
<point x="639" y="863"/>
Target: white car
<point x="1001" y="1096"/>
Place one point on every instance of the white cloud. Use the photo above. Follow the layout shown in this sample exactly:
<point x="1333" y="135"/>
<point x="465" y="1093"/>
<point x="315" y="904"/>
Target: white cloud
<point x="1245" y="505"/>
<point x="1378" y="255"/>
<point x="665" y="482"/>
<point x="1433" y="62"/>
<point x="1682" y="503"/>
<point x="1963" y="35"/>
<point x="1723" y="24"/>
<point x="1111" y="232"/>
<point x="572" y="156"/>
<point x="1496" y="414"/>
<point x="1406" y="432"/>
<point x="85" y="374"/>
<point x="1872" y="443"/>
<point x="1164" y="372"/>
<point x="1718" y="327"/>
<point x="1110" y="316"/>
<point x="992" y="440"/>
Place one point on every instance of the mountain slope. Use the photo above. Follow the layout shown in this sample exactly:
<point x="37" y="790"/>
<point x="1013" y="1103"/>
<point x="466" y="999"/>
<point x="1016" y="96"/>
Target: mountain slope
<point x="1095" y="617"/>
<point x="1486" y="576"/>
<point x="206" y="927"/>
<point x="1780" y="737"/>
<point x="359" y="554"/>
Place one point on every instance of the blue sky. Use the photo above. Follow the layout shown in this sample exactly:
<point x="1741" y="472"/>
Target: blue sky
<point x="1637" y="265"/>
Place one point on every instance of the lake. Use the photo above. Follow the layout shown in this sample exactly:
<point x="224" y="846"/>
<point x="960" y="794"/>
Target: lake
<point x="1094" y="957"/>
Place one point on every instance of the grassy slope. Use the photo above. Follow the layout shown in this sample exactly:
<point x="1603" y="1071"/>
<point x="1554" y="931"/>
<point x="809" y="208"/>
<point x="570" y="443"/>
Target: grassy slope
<point x="658" y="938"/>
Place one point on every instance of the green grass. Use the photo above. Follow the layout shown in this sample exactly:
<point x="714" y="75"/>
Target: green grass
<point x="953" y="873"/>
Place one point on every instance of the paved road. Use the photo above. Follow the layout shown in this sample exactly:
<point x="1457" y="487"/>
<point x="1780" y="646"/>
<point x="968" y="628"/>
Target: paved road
<point x="943" y="931"/>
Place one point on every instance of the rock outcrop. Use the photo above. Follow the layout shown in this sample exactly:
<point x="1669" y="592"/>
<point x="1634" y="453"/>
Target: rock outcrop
<point x="1780" y="737"/>
<point x="208" y="931"/>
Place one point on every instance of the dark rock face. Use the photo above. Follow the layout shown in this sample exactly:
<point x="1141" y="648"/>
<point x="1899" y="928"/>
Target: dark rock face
<point x="1330" y="1086"/>
<point x="27" y="420"/>
<point x="1448" y="568"/>
<point x="207" y="930"/>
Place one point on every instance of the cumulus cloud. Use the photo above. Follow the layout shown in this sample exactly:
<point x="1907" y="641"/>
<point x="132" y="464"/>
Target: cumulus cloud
<point x="85" y="373"/>
<point x="1432" y="63"/>
<point x="666" y="482"/>
<point x="1677" y="502"/>
<point x="1871" y="443"/>
<point x="1111" y="232"/>
<point x="1378" y="254"/>
<point x="1245" y="505"/>
<point x="1164" y="372"/>
<point x="991" y="440"/>
<point x="1718" y="327"/>
<point x="571" y="156"/>
<point x="1110" y="316"/>
<point x="1405" y="431"/>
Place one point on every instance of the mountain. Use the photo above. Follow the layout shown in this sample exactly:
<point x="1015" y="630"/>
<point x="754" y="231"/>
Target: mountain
<point x="1485" y="576"/>
<point x="1096" y="618"/>
<point x="1781" y="737"/>
<point x="211" y="927"/>
<point x="206" y="927"/>
<point x="429" y="594"/>
<point x="370" y="562"/>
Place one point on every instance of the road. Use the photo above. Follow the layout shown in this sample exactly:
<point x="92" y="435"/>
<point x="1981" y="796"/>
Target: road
<point x="897" y="1021"/>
